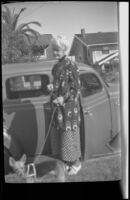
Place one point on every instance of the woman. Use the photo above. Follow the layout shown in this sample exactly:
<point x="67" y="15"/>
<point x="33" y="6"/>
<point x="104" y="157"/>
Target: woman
<point x="65" y="98"/>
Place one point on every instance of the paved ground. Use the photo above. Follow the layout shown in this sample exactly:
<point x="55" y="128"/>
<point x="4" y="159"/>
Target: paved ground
<point x="114" y="87"/>
<point x="105" y="168"/>
<point x="99" y="169"/>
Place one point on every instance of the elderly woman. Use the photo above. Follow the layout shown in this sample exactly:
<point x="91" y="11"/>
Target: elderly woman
<point x="65" y="97"/>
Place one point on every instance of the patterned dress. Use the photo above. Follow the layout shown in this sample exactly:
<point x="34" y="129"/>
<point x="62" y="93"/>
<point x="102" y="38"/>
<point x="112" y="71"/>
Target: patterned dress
<point x="66" y="137"/>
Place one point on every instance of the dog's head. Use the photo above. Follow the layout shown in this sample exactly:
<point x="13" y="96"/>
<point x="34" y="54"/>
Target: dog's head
<point x="18" y="166"/>
<point x="21" y="169"/>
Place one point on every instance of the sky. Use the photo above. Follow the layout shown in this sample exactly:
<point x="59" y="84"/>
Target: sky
<point x="68" y="18"/>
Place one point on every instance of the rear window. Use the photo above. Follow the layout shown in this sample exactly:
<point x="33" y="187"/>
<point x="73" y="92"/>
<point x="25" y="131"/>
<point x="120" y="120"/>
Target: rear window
<point x="26" y="86"/>
<point x="90" y="84"/>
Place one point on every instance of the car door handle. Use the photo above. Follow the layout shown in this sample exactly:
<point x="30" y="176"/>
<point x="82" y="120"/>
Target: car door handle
<point x="88" y="112"/>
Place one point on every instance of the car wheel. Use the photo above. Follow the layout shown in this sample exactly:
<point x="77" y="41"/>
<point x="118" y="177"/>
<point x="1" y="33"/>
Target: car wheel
<point x="7" y="168"/>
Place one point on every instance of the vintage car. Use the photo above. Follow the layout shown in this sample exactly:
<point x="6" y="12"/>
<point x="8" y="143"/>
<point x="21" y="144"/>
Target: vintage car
<point x="27" y="112"/>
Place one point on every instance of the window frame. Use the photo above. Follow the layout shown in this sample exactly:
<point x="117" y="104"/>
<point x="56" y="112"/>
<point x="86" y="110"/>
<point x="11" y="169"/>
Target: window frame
<point x="8" y="91"/>
<point x="99" y="81"/>
<point x="105" y="51"/>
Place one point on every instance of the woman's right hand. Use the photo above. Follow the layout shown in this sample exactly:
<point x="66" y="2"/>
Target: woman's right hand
<point x="50" y="87"/>
<point x="59" y="100"/>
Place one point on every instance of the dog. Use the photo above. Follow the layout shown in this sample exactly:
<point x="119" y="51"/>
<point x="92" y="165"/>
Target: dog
<point x="23" y="171"/>
<point x="20" y="168"/>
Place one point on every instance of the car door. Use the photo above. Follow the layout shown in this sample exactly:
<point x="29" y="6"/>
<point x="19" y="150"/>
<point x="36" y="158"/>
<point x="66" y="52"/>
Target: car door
<point x="97" y="113"/>
<point x="114" y="91"/>
<point x="26" y="112"/>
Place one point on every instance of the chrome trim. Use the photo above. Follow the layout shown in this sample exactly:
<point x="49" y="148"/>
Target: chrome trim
<point x="91" y="107"/>
<point x="41" y="129"/>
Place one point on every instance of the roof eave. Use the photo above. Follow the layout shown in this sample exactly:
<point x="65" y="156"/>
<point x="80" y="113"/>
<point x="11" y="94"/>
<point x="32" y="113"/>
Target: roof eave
<point x="81" y="41"/>
<point x="101" y="44"/>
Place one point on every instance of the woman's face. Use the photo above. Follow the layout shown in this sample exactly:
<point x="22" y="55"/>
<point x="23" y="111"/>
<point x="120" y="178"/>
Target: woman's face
<point x="58" y="53"/>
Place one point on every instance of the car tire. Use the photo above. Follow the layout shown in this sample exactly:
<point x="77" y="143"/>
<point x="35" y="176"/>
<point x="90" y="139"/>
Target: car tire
<point x="7" y="168"/>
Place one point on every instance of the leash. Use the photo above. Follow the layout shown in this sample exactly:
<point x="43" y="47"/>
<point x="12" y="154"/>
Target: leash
<point x="48" y="132"/>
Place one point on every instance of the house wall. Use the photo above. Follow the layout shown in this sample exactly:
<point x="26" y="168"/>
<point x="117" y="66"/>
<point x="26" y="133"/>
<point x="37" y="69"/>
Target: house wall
<point x="78" y="51"/>
<point x="49" y="53"/>
<point x="91" y="54"/>
<point x="81" y="52"/>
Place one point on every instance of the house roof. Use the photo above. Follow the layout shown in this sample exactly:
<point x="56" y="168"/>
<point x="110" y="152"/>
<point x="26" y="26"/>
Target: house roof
<point x="99" y="38"/>
<point x="42" y="39"/>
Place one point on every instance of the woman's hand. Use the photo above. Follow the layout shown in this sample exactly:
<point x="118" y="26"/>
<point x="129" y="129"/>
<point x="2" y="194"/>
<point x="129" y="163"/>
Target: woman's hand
<point x="50" y="87"/>
<point x="59" y="100"/>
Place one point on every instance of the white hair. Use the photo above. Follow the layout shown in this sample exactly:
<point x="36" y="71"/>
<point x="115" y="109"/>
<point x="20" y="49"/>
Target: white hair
<point x="60" y="42"/>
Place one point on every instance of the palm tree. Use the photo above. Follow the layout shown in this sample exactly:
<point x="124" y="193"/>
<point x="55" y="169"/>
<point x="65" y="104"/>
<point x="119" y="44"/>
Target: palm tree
<point x="13" y="33"/>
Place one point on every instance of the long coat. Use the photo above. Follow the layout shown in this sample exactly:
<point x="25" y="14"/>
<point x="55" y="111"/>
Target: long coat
<point x="66" y="137"/>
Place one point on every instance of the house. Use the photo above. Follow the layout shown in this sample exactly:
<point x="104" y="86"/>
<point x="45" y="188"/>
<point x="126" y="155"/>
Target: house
<point x="89" y="48"/>
<point x="45" y="41"/>
<point x="109" y="62"/>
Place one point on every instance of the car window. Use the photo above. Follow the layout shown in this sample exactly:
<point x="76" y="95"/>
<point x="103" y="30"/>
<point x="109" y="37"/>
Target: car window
<point x="25" y="86"/>
<point x="90" y="84"/>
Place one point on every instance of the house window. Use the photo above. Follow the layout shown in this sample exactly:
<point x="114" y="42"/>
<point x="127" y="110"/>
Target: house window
<point x="96" y="55"/>
<point x="105" y="50"/>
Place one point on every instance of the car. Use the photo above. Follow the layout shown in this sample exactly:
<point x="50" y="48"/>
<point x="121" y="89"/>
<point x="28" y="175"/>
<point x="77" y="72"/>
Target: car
<point x="27" y="112"/>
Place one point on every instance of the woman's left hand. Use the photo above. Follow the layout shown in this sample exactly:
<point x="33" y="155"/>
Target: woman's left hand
<point x="61" y="100"/>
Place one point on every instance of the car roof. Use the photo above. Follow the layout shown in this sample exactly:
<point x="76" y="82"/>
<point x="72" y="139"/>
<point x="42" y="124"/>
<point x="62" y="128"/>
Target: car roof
<point x="37" y="67"/>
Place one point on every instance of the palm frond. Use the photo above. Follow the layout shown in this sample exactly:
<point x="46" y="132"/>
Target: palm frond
<point x="8" y="12"/>
<point x="6" y="18"/>
<point x="31" y="31"/>
<point x="26" y="25"/>
<point x="26" y="38"/>
<point x="22" y="26"/>
<point x="16" y="17"/>
<point x="35" y="22"/>
<point x="13" y="11"/>
<point x="17" y="35"/>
